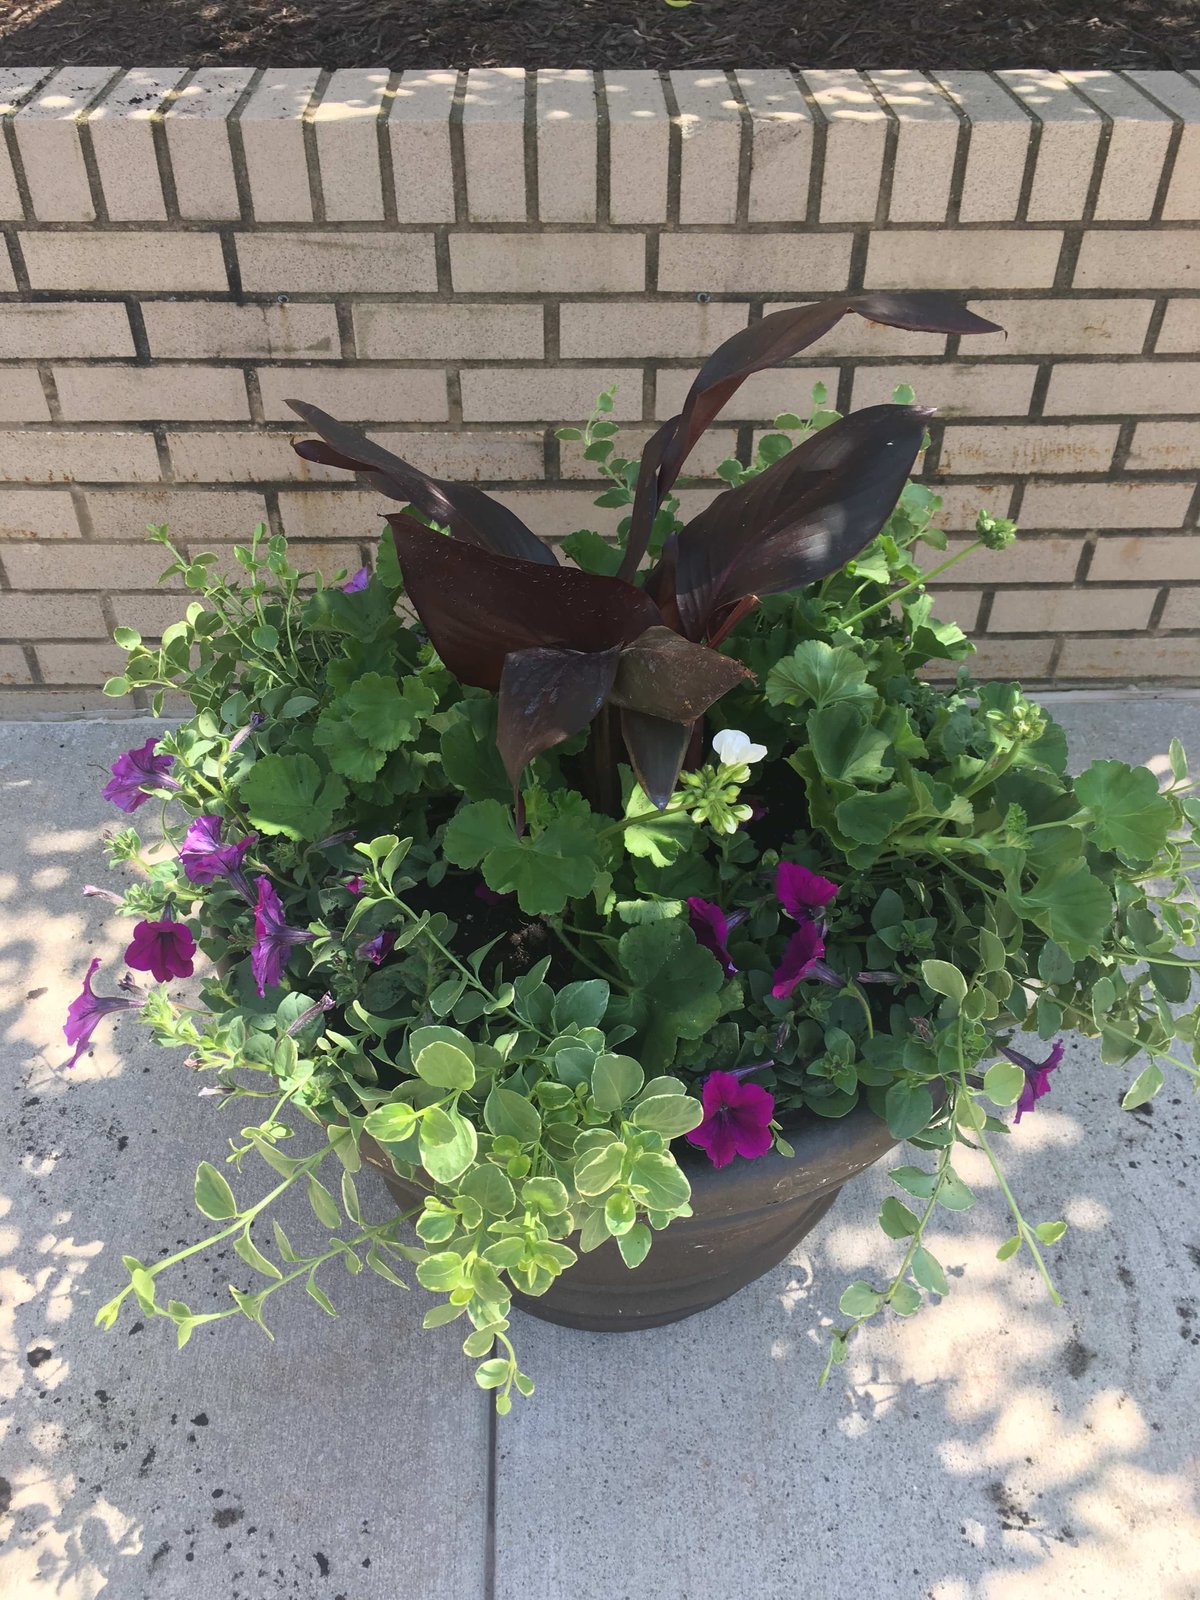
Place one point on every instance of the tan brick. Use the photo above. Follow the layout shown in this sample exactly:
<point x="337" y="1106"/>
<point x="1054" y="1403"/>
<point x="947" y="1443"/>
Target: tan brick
<point x="710" y="134"/>
<point x="1067" y="148"/>
<point x="1105" y="505"/>
<point x="1180" y="331"/>
<point x="855" y="336"/>
<point x="459" y="332"/>
<point x="51" y="616"/>
<point x="98" y="393"/>
<point x="729" y="263"/>
<point x="494" y="144"/>
<point x="60" y="457"/>
<point x="1145" y="557"/>
<point x="223" y="457"/>
<point x="193" y="330"/>
<point x="781" y="129"/>
<point x="150" y="614"/>
<point x="21" y="396"/>
<point x="1183" y="611"/>
<point x="418" y="130"/>
<point x="958" y="605"/>
<point x="566" y="145"/>
<point x="546" y="394"/>
<point x="713" y="447"/>
<point x="548" y="263"/>
<point x="1181" y="96"/>
<point x="318" y="513"/>
<point x="1039" y="447"/>
<point x="198" y="138"/>
<point x="16" y="85"/>
<point x="47" y="130"/>
<point x="1063" y="327"/>
<point x="193" y="515"/>
<point x="1127" y="660"/>
<point x="926" y="145"/>
<point x="957" y="389"/>
<point x="343" y="262"/>
<point x="761" y="398"/>
<point x="84" y="565"/>
<point x="999" y="133"/>
<point x="37" y="514"/>
<point x="1093" y="610"/>
<point x="639" y="144"/>
<point x="962" y="503"/>
<point x="357" y="394"/>
<point x="272" y="129"/>
<point x="1030" y="560"/>
<point x="1118" y="388"/>
<point x="855" y="136"/>
<point x="553" y="513"/>
<point x="122" y="134"/>
<point x="466" y="456"/>
<point x="646" y="328"/>
<point x="347" y="132"/>
<point x="79" y="663"/>
<point x="977" y="258"/>
<point x="1140" y="134"/>
<point x="39" y="330"/>
<point x="1165" y="447"/>
<point x="1020" y="659"/>
<point x="1139" y="258"/>
<point x="13" y="669"/>
<point x="125" y="263"/>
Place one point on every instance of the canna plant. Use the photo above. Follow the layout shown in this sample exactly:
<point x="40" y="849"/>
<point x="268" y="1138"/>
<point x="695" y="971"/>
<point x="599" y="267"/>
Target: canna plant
<point x="597" y="884"/>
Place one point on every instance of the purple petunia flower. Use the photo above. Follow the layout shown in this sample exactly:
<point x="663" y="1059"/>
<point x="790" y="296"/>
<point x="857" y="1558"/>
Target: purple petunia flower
<point x="85" y="1012"/>
<point x="374" y="950"/>
<point x="273" y="939"/>
<point x="737" y="1119"/>
<point x="163" y="949"/>
<point x="712" y="929"/>
<point x="801" y="959"/>
<point x="354" y="885"/>
<point x="204" y="858"/>
<point x="136" y="770"/>
<point x="1037" y="1075"/>
<point x="800" y="891"/>
<point x="358" y="582"/>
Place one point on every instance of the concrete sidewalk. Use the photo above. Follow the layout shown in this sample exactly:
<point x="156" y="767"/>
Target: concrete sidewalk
<point x="992" y="1449"/>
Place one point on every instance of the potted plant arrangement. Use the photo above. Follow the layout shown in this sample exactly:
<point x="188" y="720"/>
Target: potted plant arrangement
<point x="620" y="912"/>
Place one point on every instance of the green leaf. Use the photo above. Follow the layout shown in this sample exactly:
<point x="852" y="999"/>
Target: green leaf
<point x="1144" y="1087"/>
<point x="908" y="1109"/>
<point x="548" y="869"/>
<point x="1049" y="1232"/>
<point x="653" y="837"/>
<point x="927" y="1270"/>
<point x="1176" y="753"/>
<point x="598" y="1170"/>
<point x="476" y="829"/>
<point x="324" y="1205"/>
<point x="675" y="986"/>
<point x="1128" y="814"/>
<point x="508" y="1113"/>
<point x="615" y="1080"/>
<point x="490" y="1187"/>
<point x="914" y="1180"/>
<point x="383" y="713"/>
<point x="1003" y="1083"/>
<point x="439" y="1316"/>
<point x="444" y="1066"/>
<point x="635" y="1245"/>
<point x="448" y="1143"/>
<point x="816" y="672"/>
<point x="944" y="978"/>
<point x="441" y="1272"/>
<point x="620" y="1213"/>
<point x="391" y="1123"/>
<point x="665" y="1184"/>
<point x="253" y="1256"/>
<point x="954" y="1194"/>
<point x="592" y="552"/>
<point x="1009" y="1248"/>
<point x="859" y="1300"/>
<point x="491" y="1374"/>
<point x="870" y="818"/>
<point x="213" y="1195"/>
<point x="905" y="1299"/>
<point x="544" y="1194"/>
<point x="287" y="794"/>
<point x="896" y="1220"/>
<point x="1072" y="906"/>
<point x="583" y="1004"/>
<point x="846" y="747"/>
<point x="1054" y="964"/>
<point x="668" y="1114"/>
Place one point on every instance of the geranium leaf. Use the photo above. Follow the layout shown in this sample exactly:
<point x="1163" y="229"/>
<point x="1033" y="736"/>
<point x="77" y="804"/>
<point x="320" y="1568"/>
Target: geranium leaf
<point x="288" y="794"/>
<point x="559" y="864"/>
<point x="1128" y="813"/>
<point x="1073" y="906"/>
<point x="816" y="672"/>
<point x="546" y="696"/>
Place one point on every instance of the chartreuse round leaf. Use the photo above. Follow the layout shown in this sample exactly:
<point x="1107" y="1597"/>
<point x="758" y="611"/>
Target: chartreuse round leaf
<point x="1003" y="1083"/>
<point x="491" y="1374"/>
<point x="896" y="1220"/>
<point x="664" y="1186"/>
<point x="635" y="1245"/>
<point x="491" y="1189"/>
<point x="668" y="1114"/>
<point x="544" y="1194"/>
<point x="213" y="1195"/>
<point x="859" y="1300"/>
<point x="441" y="1272"/>
<point x="615" y="1079"/>
<point x="449" y="1144"/>
<point x="945" y="978"/>
<point x="507" y="1112"/>
<point x="324" y="1206"/>
<point x="1049" y="1232"/>
<point x="620" y="1213"/>
<point x="444" y="1066"/>
<point x="598" y="1170"/>
<point x="391" y="1123"/>
<point x="1009" y="1247"/>
<point x="908" y="1108"/>
<point x="905" y="1299"/>
<point x="1144" y="1087"/>
<point x="927" y="1270"/>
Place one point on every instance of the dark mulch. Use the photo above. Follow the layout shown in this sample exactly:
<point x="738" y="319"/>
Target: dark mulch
<point x="603" y="33"/>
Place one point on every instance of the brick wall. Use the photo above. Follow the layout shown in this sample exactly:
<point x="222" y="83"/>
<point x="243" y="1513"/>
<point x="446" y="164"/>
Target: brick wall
<point x="464" y="260"/>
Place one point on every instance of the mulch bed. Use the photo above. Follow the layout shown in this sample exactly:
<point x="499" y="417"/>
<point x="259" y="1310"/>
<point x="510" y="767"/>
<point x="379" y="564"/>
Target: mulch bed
<point x="602" y="33"/>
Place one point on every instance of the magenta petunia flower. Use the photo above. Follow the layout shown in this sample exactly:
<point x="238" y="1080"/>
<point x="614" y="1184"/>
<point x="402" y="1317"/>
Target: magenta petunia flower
<point x="164" y="949"/>
<point x="358" y="582"/>
<point x="135" y="771"/>
<point x="355" y="885"/>
<point x="737" y="1118"/>
<point x="204" y="858"/>
<point x="800" y="891"/>
<point x="712" y="929"/>
<point x="801" y="959"/>
<point x="273" y="939"/>
<point x="1037" y="1075"/>
<point x="87" y="1009"/>
<point x="374" y="950"/>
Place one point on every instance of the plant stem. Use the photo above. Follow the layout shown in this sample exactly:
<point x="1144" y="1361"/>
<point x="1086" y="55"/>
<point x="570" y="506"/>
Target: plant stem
<point x="916" y="583"/>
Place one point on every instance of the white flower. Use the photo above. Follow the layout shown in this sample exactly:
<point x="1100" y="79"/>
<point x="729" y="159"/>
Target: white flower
<point x="734" y="749"/>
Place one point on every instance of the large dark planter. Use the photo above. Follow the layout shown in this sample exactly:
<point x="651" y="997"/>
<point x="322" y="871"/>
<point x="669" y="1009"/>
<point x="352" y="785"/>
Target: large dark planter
<point x="748" y="1216"/>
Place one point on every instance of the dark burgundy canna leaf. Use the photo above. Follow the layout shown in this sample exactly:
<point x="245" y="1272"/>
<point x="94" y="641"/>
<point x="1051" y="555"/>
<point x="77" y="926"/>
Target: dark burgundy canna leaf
<point x="656" y="750"/>
<point x="469" y="513"/>
<point x="546" y="696"/>
<point x="801" y="519"/>
<point x="478" y="607"/>
<point x="664" y="675"/>
<point x="768" y="343"/>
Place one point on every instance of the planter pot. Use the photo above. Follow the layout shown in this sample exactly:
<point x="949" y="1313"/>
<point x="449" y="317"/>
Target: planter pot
<point x="748" y="1216"/>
